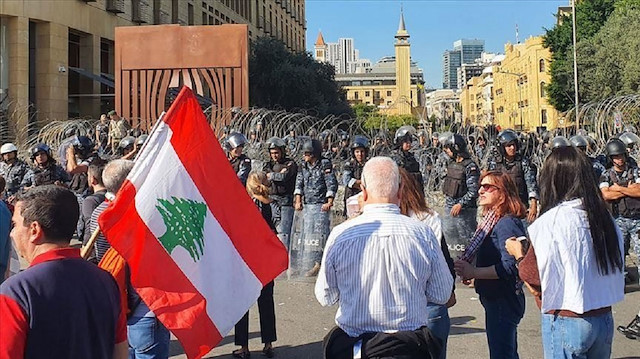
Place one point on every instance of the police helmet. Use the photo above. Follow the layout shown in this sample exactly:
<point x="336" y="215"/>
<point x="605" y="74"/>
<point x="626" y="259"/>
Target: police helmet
<point x="141" y="140"/>
<point x="313" y="146"/>
<point x="559" y="142"/>
<point x="312" y="133"/>
<point x="136" y="132"/>
<point x="344" y="136"/>
<point x="83" y="145"/>
<point x="292" y="128"/>
<point x="127" y="142"/>
<point x="435" y="135"/>
<point x="579" y="141"/>
<point x="615" y="146"/>
<point x="442" y="138"/>
<point x="235" y="140"/>
<point x="404" y="134"/>
<point x="581" y="132"/>
<point x="508" y="136"/>
<point x="276" y="143"/>
<point x="8" y="148"/>
<point x="629" y="139"/>
<point x="40" y="147"/>
<point x="360" y="141"/>
<point x="456" y="143"/>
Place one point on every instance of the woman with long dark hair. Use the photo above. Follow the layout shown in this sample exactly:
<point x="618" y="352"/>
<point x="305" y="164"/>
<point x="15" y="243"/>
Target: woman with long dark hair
<point x="495" y="271"/>
<point x="414" y="204"/>
<point x="577" y="249"/>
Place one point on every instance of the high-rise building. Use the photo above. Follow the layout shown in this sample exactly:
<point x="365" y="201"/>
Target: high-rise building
<point x="464" y="51"/>
<point x="343" y="55"/>
<point x="450" y="63"/>
<point x="470" y="50"/>
<point x="57" y="57"/>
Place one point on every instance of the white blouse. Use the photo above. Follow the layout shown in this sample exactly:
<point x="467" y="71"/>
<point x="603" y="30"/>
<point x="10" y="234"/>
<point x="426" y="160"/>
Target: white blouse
<point x="567" y="262"/>
<point x="432" y="220"/>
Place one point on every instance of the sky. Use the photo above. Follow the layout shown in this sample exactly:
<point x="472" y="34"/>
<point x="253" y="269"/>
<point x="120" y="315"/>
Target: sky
<point x="433" y="25"/>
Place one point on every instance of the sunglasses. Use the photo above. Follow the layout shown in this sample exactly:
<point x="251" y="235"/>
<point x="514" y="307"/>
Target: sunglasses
<point x="486" y="187"/>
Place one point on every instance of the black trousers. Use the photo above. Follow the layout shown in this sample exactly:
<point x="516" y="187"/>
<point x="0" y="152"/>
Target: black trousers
<point x="267" y="312"/>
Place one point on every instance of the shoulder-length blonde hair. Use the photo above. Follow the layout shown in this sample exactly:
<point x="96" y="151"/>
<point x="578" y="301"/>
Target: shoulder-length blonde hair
<point x="256" y="186"/>
<point x="510" y="202"/>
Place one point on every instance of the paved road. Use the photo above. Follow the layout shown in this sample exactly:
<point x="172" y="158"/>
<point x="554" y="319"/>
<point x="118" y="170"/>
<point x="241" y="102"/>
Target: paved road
<point x="302" y="323"/>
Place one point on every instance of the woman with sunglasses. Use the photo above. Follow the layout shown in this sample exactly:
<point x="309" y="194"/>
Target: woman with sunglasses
<point x="495" y="272"/>
<point x="576" y="260"/>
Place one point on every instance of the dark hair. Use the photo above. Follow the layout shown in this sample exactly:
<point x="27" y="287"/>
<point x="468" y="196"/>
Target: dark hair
<point x="567" y="174"/>
<point x="55" y="208"/>
<point x="412" y="197"/>
<point x="511" y="204"/>
<point x="3" y="183"/>
<point x="95" y="169"/>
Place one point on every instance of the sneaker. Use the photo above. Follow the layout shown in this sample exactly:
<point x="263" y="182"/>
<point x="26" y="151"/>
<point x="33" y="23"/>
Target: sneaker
<point x="631" y="331"/>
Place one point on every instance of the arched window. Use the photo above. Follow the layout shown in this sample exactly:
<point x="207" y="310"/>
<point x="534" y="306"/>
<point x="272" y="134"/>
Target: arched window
<point x="543" y="90"/>
<point x="542" y="65"/>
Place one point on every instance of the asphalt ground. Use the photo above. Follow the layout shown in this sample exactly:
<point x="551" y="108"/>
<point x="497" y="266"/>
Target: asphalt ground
<point x="302" y="323"/>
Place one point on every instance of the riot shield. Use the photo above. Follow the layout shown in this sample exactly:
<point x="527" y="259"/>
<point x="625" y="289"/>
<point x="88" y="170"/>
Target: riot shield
<point x="309" y="235"/>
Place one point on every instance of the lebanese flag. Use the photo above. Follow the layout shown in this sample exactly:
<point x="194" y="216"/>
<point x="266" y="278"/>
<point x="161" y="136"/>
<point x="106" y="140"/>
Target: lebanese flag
<point x="197" y="246"/>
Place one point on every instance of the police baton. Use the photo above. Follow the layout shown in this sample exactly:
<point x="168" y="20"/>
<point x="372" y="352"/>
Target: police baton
<point x="87" y="249"/>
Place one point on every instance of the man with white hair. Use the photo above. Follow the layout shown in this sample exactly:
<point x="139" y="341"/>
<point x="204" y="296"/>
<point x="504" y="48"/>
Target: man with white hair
<point x="383" y="268"/>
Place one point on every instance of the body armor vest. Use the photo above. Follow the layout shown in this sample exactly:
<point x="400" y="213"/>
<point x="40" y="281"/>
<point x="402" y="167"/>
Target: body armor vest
<point x="514" y="170"/>
<point x="455" y="183"/>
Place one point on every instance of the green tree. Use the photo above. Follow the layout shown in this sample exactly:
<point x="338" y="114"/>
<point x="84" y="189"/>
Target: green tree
<point x="390" y="122"/>
<point x="591" y="15"/>
<point x="610" y="61"/>
<point x="279" y="78"/>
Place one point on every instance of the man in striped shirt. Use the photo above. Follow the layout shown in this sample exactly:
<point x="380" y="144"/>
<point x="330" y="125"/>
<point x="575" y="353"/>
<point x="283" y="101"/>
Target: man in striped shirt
<point x="382" y="267"/>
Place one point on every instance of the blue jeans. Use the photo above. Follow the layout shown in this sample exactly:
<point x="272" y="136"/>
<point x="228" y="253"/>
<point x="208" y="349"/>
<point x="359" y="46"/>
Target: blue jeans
<point x="439" y="324"/>
<point x="148" y="338"/>
<point x="565" y="337"/>
<point x="502" y="316"/>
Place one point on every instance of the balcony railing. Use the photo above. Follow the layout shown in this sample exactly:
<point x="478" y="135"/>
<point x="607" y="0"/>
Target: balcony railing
<point x="115" y="6"/>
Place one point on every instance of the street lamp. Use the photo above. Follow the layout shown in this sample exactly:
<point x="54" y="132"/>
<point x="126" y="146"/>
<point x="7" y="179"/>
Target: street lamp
<point x="519" y="75"/>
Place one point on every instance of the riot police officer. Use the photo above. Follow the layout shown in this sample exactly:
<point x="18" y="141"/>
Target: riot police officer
<point x="79" y="157"/>
<point x="316" y="187"/>
<point x="620" y="186"/>
<point x="46" y="170"/>
<point x="352" y="170"/>
<point x="281" y="172"/>
<point x="519" y="168"/>
<point x="403" y="155"/>
<point x="632" y="141"/>
<point x="344" y="153"/>
<point x="582" y="143"/>
<point x="127" y="147"/>
<point x="460" y="188"/>
<point x="239" y="161"/>
<point x="12" y="169"/>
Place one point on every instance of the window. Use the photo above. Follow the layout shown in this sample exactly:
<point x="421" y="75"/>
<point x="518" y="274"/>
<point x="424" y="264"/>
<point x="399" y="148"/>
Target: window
<point x="367" y="93"/>
<point x="542" y="65"/>
<point x="543" y="90"/>
<point x="543" y="116"/>
<point x="190" y="14"/>
<point x="388" y="93"/>
<point x="355" y="95"/>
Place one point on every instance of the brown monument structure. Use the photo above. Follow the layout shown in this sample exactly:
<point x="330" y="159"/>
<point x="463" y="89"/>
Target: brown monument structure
<point x="151" y="60"/>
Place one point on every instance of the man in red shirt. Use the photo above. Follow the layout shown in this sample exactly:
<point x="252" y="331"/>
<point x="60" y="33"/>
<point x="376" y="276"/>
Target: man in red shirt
<point x="61" y="306"/>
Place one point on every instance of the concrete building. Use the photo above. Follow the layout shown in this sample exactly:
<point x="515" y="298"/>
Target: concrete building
<point x="476" y="96"/>
<point x="343" y="55"/>
<point x="465" y="51"/>
<point x="467" y="71"/>
<point x="57" y="60"/>
<point x="394" y="84"/>
<point x="444" y="105"/>
<point x="519" y="87"/>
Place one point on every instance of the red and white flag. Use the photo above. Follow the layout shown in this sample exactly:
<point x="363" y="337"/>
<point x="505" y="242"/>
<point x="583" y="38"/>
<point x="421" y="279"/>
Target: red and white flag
<point x="197" y="246"/>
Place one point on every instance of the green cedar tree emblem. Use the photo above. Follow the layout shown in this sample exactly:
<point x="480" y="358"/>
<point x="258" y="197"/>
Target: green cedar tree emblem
<point x="184" y="219"/>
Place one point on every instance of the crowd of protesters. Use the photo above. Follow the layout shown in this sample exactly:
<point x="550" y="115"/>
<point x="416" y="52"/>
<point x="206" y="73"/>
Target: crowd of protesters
<point x="561" y="233"/>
